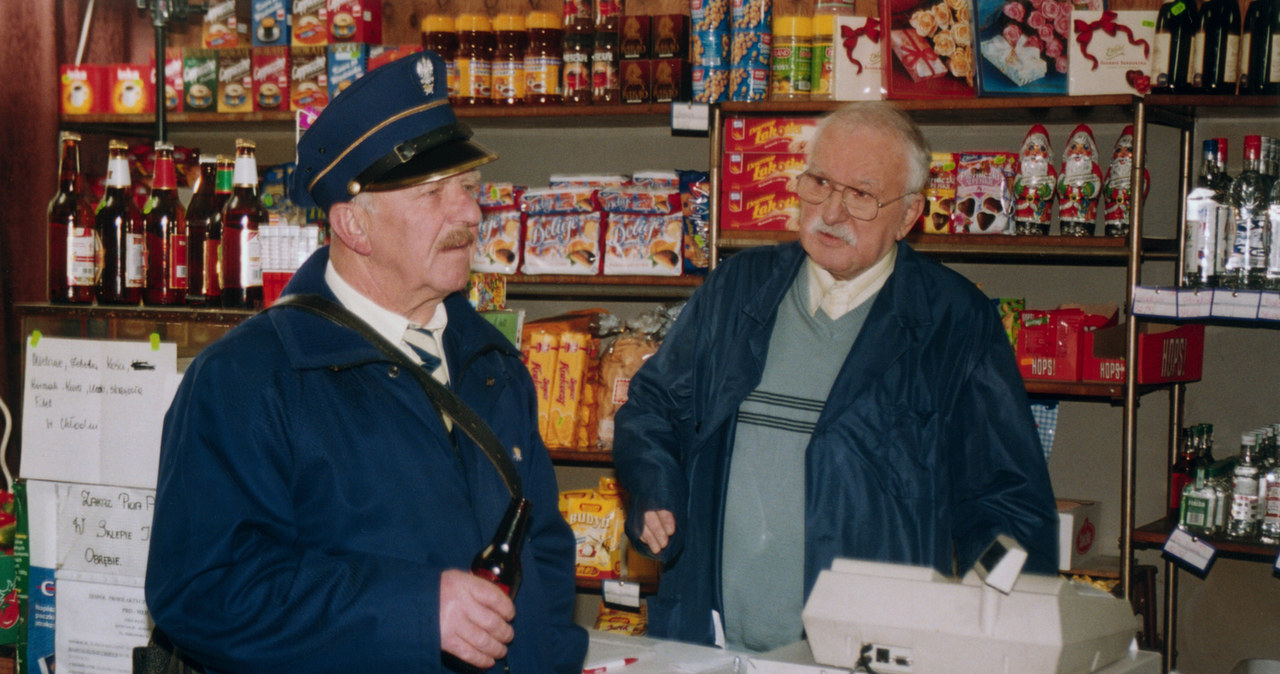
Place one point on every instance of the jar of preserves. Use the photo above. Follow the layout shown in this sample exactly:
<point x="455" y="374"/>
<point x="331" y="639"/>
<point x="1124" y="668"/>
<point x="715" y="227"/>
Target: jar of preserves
<point x="605" y="89"/>
<point x="543" y="58"/>
<point x="475" y="59"/>
<point x="792" y="58"/>
<point x="508" y="59"/>
<point x="440" y="35"/>
<point x="577" y="68"/>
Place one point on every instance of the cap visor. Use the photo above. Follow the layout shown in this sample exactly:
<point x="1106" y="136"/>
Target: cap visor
<point x="449" y="159"/>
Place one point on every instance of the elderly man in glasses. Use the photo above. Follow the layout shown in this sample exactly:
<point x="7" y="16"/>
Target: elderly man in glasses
<point x="842" y="396"/>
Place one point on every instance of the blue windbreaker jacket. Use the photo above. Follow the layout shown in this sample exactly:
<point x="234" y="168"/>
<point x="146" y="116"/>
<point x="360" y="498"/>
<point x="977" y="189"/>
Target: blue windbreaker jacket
<point x="925" y="450"/>
<point x="309" y="499"/>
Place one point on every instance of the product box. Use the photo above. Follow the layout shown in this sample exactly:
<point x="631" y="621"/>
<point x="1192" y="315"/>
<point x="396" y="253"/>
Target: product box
<point x="355" y="21"/>
<point x="270" y="23"/>
<point x="984" y="193"/>
<point x="1166" y="353"/>
<point x="635" y="78"/>
<point x="235" y="80"/>
<point x="199" y="80"/>
<point x="382" y="54"/>
<point x="346" y="64"/>
<point x="668" y="79"/>
<point x="928" y="49"/>
<point x="769" y="134"/>
<point x="858" y="69"/>
<point x="132" y="92"/>
<point x="309" y="23"/>
<point x="564" y="243"/>
<point x="1077" y="533"/>
<point x="222" y="28"/>
<point x="84" y="89"/>
<point x="634" y="36"/>
<point x="271" y="78"/>
<point x="498" y="240"/>
<point x="1022" y="46"/>
<point x="172" y="79"/>
<point x="939" y="194"/>
<point x="774" y="209"/>
<point x="669" y="36"/>
<point x="762" y="171"/>
<point x="308" y="78"/>
<point x="1110" y="52"/>
<point x="644" y="231"/>
<point x="1048" y="344"/>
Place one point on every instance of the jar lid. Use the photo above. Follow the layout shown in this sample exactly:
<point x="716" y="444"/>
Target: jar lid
<point x="437" y="23"/>
<point x="543" y="20"/>
<point x="474" y="22"/>
<point x="824" y="25"/>
<point x="508" y="22"/>
<point x="800" y="26"/>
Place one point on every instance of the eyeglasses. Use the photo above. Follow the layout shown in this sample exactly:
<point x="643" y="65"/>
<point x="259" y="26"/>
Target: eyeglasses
<point x="858" y="204"/>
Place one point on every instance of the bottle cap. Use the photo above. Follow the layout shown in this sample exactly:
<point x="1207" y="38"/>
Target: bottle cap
<point x="542" y="20"/>
<point x="505" y="22"/>
<point x="474" y="23"/>
<point x="437" y="23"/>
<point x="800" y="26"/>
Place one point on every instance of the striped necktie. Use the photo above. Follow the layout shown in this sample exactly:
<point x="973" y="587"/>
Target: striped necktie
<point x="418" y="339"/>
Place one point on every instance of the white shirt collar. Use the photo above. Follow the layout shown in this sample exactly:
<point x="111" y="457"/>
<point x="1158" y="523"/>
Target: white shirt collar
<point x="388" y="323"/>
<point x="838" y="298"/>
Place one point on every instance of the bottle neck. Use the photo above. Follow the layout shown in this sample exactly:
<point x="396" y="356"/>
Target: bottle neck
<point x="224" y="181"/>
<point x="208" y="178"/>
<point x="69" y="166"/>
<point x="166" y="176"/>
<point x="246" y="172"/>
<point x="118" y="173"/>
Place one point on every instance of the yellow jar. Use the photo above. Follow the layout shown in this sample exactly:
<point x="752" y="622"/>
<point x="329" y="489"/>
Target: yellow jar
<point x="792" y="58"/>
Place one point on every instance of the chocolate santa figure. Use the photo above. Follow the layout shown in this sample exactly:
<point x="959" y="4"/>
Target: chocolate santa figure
<point x="1035" y="184"/>
<point x="1117" y="192"/>
<point x="1079" y="184"/>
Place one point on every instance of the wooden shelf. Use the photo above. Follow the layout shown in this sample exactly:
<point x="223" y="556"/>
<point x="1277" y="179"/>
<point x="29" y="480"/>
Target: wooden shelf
<point x="647" y="585"/>
<point x="582" y="457"/>
<point x="137" y="313"/>
<point x="972" y="247"/>
<point x="1155" y="534"/>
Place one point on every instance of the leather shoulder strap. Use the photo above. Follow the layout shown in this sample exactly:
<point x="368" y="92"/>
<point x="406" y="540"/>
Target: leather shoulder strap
<point x="445" y="401"/>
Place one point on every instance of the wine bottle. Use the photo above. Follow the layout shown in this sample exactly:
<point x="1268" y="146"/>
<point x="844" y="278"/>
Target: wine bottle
<point x="499" y="561"/>
<point x="120" y="231"/>
<point x="241" y="264"/>
<point x="1218" y="47"/>
<point x="1170" y="59"/>
<point x="73" y="248"/>
<point x="1266" y="39"/>
<point x="166" y="226"/>
<point x="1247" y="25"/>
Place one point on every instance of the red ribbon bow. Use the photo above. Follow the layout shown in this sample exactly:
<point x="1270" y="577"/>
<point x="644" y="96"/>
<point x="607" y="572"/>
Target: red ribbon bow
<point x="1108" y="25"/>
<point x="849" y="38"/>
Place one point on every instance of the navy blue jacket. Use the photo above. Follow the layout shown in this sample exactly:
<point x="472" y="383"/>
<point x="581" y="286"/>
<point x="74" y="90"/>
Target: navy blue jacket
<point x="925" y="450"/>
<point x="309" y="499"/>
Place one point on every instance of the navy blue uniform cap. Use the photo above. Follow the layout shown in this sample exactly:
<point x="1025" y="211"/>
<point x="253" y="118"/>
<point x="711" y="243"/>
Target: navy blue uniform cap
<point x="391" y="128"/>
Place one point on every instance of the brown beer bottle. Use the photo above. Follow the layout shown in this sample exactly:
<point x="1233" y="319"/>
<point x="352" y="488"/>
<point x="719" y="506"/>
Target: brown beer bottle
<point x="166" y="224"/>
<point x="242" y="215"/>
<point x="73" y="249"/>
<point x="204" y="213"/>
<point x="119" y="227"/>
<point x="499" y="562"/>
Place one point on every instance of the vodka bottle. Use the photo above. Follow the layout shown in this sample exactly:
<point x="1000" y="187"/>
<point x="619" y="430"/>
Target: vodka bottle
<point x="1270" y="492"/>
<point x="1273" y="232"/>
<point x="1250" y="195"/>
<point x="1243" y="522"/>
<point x="1206" y="205"/>
<point x="1199" y="503"/>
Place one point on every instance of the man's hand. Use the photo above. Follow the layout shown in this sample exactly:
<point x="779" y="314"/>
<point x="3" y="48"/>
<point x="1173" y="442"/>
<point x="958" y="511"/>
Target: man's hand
<point x="659" y="525"/>
<point x="475" y="618"/>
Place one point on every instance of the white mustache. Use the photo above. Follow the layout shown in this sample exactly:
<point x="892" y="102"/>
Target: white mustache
<point x="456" y="238"/>
<point x="845" y="234"/>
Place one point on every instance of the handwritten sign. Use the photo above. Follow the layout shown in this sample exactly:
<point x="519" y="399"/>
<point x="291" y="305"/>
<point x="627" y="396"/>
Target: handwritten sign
<point x="104" y="529"/>
<point x="93" y="410"/>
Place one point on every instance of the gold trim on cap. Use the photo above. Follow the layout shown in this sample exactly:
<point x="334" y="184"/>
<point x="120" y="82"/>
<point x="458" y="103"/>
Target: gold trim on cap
<point x="395" y="118"/>
<point x="427" y="178"/>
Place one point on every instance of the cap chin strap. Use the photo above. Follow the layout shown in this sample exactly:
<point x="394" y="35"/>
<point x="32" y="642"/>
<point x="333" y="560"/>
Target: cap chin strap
<point x="406" y="151"/>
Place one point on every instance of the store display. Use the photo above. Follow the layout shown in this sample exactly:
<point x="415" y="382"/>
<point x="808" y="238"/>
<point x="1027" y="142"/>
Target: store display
<point x="240" y="270"/>
<point x="165" y="221"/>
<point x="1176" y="27"/>
<point x="1215" y="62"/>
<point x="119" y="227"/>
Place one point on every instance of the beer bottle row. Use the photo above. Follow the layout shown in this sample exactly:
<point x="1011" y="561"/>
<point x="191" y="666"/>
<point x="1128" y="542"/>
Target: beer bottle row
<point x="204" y="254"/>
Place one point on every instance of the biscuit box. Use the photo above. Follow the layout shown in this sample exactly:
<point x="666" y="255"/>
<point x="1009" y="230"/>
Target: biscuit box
<point x="200" y="80"/>
<point x="1077" y="533"/>
<point x="84" y="89"/>
<point x="271" y="78"/>
<point x="927" y="48"/>
<point x="1048" y="344"/>
<point x="775" y="209"/>
<point x="761" y="170"/>
<point x="308" y="78"/>
<point x="1111" y="52"/>
<point x="235" y="80"/>
<point x="768" y="134"/>
<point x="355" y="21"/>
<point x="1166" y="353"/>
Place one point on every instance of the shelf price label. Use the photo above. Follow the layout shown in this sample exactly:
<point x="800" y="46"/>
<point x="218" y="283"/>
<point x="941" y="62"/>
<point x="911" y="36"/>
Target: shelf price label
<point x="1195" y="303"/>
<point x="621" y="592"/>
<point x="1151" y="301"/>
<point x="1190" y="551"/>
<point x="1236" y="303"/>
<point x="692" y="119"/>
<point x="1269" y="307"/>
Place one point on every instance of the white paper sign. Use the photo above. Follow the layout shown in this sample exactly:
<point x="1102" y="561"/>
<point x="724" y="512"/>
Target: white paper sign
<point x="1152" y="301"/>
<point x="1269" y="307"/>
<point x="1190" y="550"/>
<point x="93" y="409"/>
<point x="105" y="530"/>
<point x="1236" y="303"/>
<point x="1195" y="303"/>
<point x="100" y="621"/>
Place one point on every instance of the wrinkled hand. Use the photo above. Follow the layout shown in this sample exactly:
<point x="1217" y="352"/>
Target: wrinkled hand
<point x="659" y="525"/>
<point x="475" y="619"/>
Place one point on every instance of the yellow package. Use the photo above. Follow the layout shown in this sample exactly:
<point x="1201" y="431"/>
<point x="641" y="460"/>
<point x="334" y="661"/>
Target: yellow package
<point x="566" y="390"/>
<point x="621" y="621"/>
<point x="540" y="349"/>
<point x="597" y="529"/>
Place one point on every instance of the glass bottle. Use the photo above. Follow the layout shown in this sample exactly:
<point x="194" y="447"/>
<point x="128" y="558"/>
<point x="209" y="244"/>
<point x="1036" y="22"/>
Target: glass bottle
<point x="1250" y="192"/>
<point x="511" y="40"/>
<point x="1218" y="47"/>
<point x="792" y="58"/>
<point x="1171" y="56"/>
<point x="166" y="225"/>
<point x="1270" y="506"/>
<point x="73" y="249"/>
<point x="204" y="212"/>
<point x="1265" y="65"/>
<point x="1180" y="474"/>
<point x="1243" y="522"/>
<point x="475" y="59"/>
<point x="1248" y="24"/>
<point x="212" y="252"/>
<point x="576" y="86"/>
<point x="120" y="232"/>
<point x="440" y="35"/>
<point x="578" y="16"/>
<point x="606" y="86"/>
<point x="1206" y="204"/>
<point x="499" y="561"/>
<point x="1199" y="502"/>
<point x="543" y="59"/>
<point x="242" y="215"/>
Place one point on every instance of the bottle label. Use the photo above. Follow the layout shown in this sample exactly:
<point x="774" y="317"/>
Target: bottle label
<point x="1273" y="253"/>
<point x="1195" y="69"/>
<point x="1242" y="73"/>
<point x="1230" y="67"/>
<point x="1195" y="512"/>
<point x="542" y="75"/>
<point x="1160" y="56"/>
<point x="250" y="259"/>
<point x="135" y="270"/>
<point x="822" y="69"/>
<point x="475" y="77"/>
<point x="508" y="80"/>
<point x="1273" y="76"/>
<point x="82" y="267"/>
<point x="1244" y="507"/>
<point x="212" y="259"/>
<point x="792" y="62"/>
<point x="178" y="261"/>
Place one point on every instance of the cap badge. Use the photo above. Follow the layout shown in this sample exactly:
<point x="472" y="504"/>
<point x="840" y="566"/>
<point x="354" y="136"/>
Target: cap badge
<point x="426" y="75"/>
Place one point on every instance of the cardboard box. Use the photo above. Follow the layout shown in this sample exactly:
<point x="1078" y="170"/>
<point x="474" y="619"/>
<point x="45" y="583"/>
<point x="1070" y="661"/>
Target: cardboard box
<point x="222" y="28"/>
<point x="270" y="23"/>
<point x="1115" y="55"/>
<point x="235" y="80"/>
<point x="132" y="92"/>
<point x="308" y="78"/>
<point x="1048" y="346"/>
<point x="761" y="171"/>
<point x="633" y="36"/>
<point x="1077" y="533"/>
<point x="858" y="72"/>
<point x="670" y="36"/>
<point x="346" y="64"/>
<point x="173" y="88"/>
<point x="1166" y="353"/>
<point x="1022" y="47"/>
<point x="309" y="23"/>
<point x="83" y="89"/>
<point x="668" y="80"/>
<point x="200" y="80"/>
<point x="271" y="78"/>
<point x="635" y="79"/>
<point x="355" y="21"/>
<point x="759" y="209"/>
<point x="927" y="48"/>
<point x="768" y="134"/>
